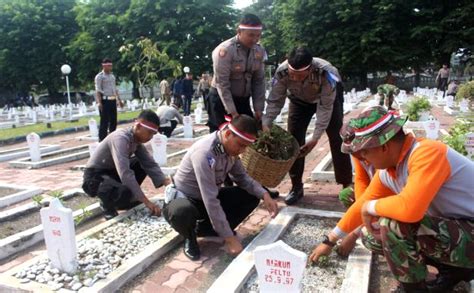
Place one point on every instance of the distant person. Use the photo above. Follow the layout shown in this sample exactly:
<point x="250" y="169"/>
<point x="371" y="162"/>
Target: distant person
<point x="442" y="78"/>
<point x="165" y="92"/>
<point x="387" y="93"/>
<point x="169" y="118"/>
<point x="452" y="88"/>
<point x="107" y="98"/>
<point x="177" y="87"/>
<point x="203" y="88"/>
<point x="187" y="95"/>
<point x="119" y="165"/>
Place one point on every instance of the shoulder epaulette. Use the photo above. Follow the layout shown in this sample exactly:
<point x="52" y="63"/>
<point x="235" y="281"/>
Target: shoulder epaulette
<point x="282" y="73"/>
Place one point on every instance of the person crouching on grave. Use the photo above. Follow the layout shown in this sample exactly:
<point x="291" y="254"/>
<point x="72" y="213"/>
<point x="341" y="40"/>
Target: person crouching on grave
<point x="364" y="172"/>
<point x="197" y="205"/>
<point x="169" y="118"/>
<point x="417" y="210"/>
<point x="119" y="165"/>
<point x="386" y="92"/>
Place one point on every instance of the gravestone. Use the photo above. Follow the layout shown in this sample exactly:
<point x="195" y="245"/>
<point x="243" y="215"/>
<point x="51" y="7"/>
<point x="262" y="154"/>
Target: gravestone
<point x="51" y="115"/>
<point x="431" y="127"/>
<point x="9" y="116"/>
<point x="93" y="130"/>
<point x="279" y="118"/>
<point x="70" y="113"/>
<point x="279" y="267"/>
<point x="469" y="144"/>
<point x="198" y="115"/>
<point x="449" y="101"/>
<point x="464" y="106"/>
<point x="60" y="236"/>
<point x="33" y="141"/>
<point x="158" y="144"/>
<point x="34" y="116"/>
<point x="92" y="147"/>
<point x="187" y="127"/>
<point x="17" y="120"/>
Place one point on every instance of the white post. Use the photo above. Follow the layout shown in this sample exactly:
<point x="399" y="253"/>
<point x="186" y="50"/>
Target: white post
<point x="67" y="88"/>
<point x="94" y="132"/>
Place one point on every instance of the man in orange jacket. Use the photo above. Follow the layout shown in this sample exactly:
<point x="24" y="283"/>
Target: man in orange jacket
<point x="418" y="208"/>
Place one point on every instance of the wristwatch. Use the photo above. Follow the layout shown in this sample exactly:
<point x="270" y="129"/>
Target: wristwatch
<point x="327" y="241"/>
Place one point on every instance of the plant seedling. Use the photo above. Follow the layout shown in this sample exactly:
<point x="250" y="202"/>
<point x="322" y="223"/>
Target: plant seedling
<point x="37" y="199"/>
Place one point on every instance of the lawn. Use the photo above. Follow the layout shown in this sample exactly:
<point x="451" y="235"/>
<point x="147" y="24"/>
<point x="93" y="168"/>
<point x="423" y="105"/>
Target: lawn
<point x="41" y="127"/>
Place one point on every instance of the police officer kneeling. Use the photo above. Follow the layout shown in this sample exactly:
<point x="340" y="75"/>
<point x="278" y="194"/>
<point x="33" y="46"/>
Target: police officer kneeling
<point x="197" y="205"/>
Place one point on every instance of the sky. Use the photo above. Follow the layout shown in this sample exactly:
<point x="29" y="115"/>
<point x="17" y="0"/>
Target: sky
<point x="242" y="3"/>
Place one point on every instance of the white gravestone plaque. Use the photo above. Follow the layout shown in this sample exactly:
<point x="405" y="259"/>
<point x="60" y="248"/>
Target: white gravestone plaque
<point x="449" y="101"/>
<point x="158" y="144"/>
<point x="431" y="128"/>
<point x="464" y="106"/>
<point x="33" y="141"/>
<point x="198" y="115"/>
<point x="469" y="144"/>
<point x="280" y="267"/>
<point x="187" y="127"/>
<point x="34" y="116"/>
<point x="94" y="132"/>
<point x="60" y="236"/>
<point x="17" y="120"/>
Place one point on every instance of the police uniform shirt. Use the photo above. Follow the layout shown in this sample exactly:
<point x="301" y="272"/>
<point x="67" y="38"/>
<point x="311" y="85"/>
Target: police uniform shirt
<point x="318" y="88"/>
<point x="239" y="72"/>
<point x="168" y="113"/>
<point x="105" y="84"/>
<point x="114" y="153"/>
<point x="203" y="170"/>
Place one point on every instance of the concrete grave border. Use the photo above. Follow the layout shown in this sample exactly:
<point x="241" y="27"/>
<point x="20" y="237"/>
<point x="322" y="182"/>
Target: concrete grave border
<point x="357" y="273"/>
<point x="127" y="271"/>
<point x="82" y="153"/>
<point x="23" y="193"/>
<point x="16" y="153"/>
<point x="320" y="174"/>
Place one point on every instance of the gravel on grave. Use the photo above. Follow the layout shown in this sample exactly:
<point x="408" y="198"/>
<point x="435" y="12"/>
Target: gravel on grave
<point x="5" y="191"/>
<point x="102" y="253"/>
<point x="303" y="234"/>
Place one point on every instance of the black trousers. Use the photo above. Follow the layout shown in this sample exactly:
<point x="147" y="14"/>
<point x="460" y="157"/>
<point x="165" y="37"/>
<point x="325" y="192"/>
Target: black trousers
<point x="168" y="130"/>
<point x="216" y="110"/>
<point x="189" y="216"/>
<point x="299" y="117"/>
<point x="108" y="118"/>
<point x="106" y="185"/>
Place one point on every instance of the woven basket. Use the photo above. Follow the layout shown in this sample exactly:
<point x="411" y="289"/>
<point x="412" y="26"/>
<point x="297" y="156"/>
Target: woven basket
<point x="267" y="171"/>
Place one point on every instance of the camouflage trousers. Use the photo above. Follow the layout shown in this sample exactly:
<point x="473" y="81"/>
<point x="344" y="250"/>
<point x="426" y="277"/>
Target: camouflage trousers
<point x="407" y="246"/>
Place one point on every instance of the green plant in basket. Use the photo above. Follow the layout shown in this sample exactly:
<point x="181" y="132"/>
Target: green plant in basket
<point x="277" y="144"/>
<point x="416" y="106"/>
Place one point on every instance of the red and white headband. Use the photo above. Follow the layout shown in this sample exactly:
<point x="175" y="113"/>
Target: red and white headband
<point x="148" y="125"/>
<point x="301" y="69"/>
<point x="382" y="121"/>
<point x="241" y="134"/>
<point x="250" y="27"/>
<point x="107" y="63"/>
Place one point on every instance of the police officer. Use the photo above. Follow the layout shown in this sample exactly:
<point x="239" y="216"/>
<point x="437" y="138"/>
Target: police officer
<point x="107" y="98"/>
<point x="238" y="75"/>
<point x="120" y="164"/>
<point x="196" y="205"/>
<point x="169" y="118"/>
<point x="314" y="86"/>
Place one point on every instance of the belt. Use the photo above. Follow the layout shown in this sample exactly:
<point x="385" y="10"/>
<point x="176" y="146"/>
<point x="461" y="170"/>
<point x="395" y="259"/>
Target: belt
<point x="111" y="98"/>
<point x="213" y="90"/>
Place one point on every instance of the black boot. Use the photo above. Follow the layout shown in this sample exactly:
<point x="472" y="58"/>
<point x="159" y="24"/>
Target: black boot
<point x="191" y="248"/>
<point x="295" y="194"/>
<point x="273" y="194"/>
<point x="108" y="211"/>
<point x="448" y="277"/>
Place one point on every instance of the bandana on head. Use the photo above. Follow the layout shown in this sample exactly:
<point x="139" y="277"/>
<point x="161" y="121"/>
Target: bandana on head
<point x="245" y="136"/>
<point x="148" y="125"/>
<point x="250" y="27"/>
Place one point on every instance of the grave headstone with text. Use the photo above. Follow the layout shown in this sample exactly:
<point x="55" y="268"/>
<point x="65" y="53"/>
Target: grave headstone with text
<point x="187" y="127"/>
<point x="93" y="130"/>
<point x="279" y="267"/>
<point x="469" y="144"/>
<point x="33" y="141"/>
<point x="158" y="144"/>
<point x="431" y="127"/>
<point x="60" y="236"/>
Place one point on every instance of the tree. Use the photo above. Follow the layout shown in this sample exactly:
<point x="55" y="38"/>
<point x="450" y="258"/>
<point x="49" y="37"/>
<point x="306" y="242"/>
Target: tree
<point x="147" y="61"/>
<point x="34" y="34"/>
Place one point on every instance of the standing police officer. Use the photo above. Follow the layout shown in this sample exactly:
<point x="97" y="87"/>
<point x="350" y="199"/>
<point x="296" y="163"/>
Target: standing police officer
<point x="314" y="86"/>
<point x="238" y="75"/>
<point x="107" y="98"/>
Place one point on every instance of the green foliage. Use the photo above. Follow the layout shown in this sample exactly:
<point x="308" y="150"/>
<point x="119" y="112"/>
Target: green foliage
<point x="38" y="199"/>
<point x="466" y="91"/>
<point x="457" y="136"/>
<point x="276" y="144"/>
<point x="416" y="106"/>
<point x="84" y="214"/>
<point x="57" y="194"/>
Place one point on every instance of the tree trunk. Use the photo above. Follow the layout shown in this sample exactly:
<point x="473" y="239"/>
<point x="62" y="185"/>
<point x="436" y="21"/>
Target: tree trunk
<point x="135" y="91"/>
<point x="363" y="79"/>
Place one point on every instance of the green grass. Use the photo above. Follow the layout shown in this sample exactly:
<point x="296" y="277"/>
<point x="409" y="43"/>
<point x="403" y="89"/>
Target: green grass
<point x="41" y="127"/>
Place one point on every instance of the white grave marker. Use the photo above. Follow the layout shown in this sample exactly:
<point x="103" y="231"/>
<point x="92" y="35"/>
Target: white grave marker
<point x="17" y="120"/>
<point x="469" y="144"/>
<point x="94" y="132"/>
<point x="51" y="114"/>
<point x="449" y="101"/>
<point x="60" y="236"/>
<point x="92" y="147"/>
<point x="431" y="127"/>
<point x="187" y="127"/>
<point x="464" y="106"/>
<point x="198" y="115"/>
<point x="34" y="116"/>
<point x="280" y="267"/>
<point x="33" y="141"/>
<point x="158" y="144"/>
<point x="9" y="117"/>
